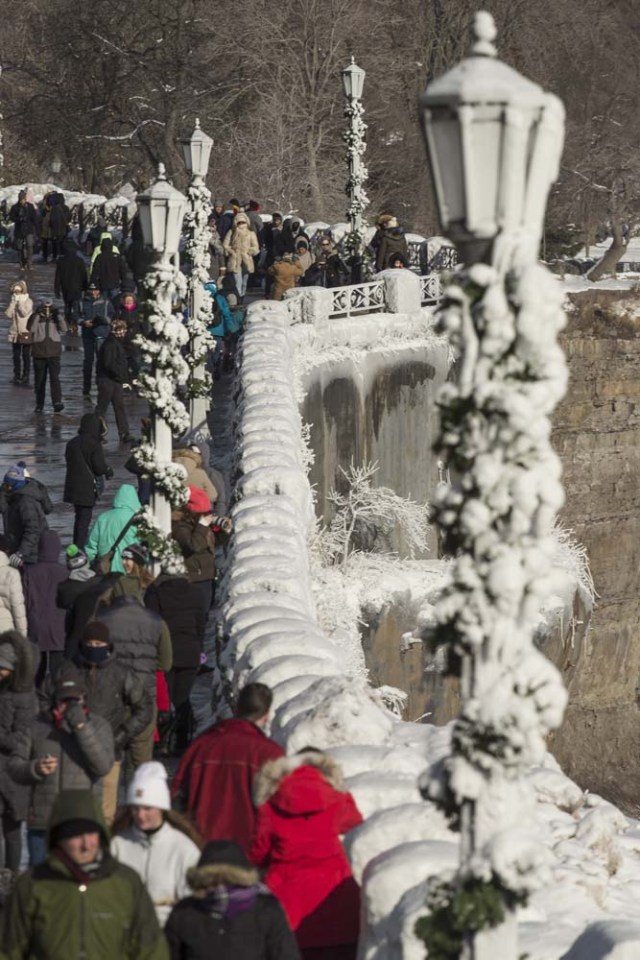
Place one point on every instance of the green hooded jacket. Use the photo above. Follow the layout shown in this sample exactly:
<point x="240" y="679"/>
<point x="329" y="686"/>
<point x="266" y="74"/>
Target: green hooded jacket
<point x="51" y="915"/>
<point x="109" y="524"/>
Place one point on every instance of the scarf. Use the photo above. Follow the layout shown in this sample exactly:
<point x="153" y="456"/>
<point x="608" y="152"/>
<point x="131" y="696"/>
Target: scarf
<point x="84" y="874"/>
<point x="230" y="901"/>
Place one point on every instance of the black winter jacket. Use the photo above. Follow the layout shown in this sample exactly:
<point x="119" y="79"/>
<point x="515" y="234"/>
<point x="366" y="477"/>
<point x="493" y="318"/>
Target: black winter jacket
<point x="71" y="273"/>
<point x="109" y="268"/>
<point x="85" y="461"/>
<point x="112" y="360"/>
<point x="58" y="221"/>
<point x="25" y="218"/>
<point x="18" y="708"/>
<point x="80" y="599"/>
<point x="24" y="517"/>
<point x="259" y="933"/>
<point x="179" y="604"/>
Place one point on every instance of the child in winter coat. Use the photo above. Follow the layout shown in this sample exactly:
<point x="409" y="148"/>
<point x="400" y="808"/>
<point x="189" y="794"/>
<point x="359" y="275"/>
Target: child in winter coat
<point x="302" y="811"/>
<point x="19" y="310"/>
<point x="154" y="840"/>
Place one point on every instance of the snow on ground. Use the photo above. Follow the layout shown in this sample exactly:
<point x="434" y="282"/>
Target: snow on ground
<point x="72" y="197"/>
<point x="292" y="627"/>
<point x="571" y="284"/>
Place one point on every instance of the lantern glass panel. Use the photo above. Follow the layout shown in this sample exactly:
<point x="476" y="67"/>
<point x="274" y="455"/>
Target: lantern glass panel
<point x="445" y="142"/>
<point x="484" y="173"/>
<point x="144" y="210"/>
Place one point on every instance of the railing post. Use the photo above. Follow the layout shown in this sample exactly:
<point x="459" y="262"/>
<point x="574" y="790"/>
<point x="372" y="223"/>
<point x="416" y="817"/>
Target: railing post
<point x="402" y="291"/>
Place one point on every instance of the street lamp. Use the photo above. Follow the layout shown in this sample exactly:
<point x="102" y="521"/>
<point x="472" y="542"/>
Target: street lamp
<point x="494" y="141"/>
<point x="161" y="210"/>
<point x="196" y="150"/>
<point x="353" y="82"/>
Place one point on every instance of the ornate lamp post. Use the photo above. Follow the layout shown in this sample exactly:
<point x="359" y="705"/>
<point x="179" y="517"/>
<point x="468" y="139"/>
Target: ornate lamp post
<point x="196" y="151"/>
<point x="161" y="209"/>
<point x="494" y="141"/>
<point x="353" y="81"/>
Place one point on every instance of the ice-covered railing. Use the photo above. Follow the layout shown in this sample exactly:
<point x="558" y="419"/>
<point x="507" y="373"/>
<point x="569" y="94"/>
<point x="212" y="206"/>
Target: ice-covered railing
<point x="322" y="699"/>
<point x="370" y="297"/>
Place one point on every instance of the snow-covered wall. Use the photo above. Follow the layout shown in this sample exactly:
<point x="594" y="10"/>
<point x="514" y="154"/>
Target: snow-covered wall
<point x="323" y="698"/>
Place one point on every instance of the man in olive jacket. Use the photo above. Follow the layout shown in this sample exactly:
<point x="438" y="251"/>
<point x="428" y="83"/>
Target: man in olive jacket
<point x="80" y="902"/>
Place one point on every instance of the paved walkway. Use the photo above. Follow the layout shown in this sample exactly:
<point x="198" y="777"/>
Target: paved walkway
<point x="40" y="440"/>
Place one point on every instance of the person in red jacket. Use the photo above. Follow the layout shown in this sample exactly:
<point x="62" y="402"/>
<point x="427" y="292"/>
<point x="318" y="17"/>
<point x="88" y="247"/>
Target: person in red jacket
<point x="215" y="778"/>
<point x="303" y="810"/>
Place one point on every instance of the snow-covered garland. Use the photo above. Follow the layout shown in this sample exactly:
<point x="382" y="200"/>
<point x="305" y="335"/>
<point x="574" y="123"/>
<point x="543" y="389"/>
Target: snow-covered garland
<point x="497" y="522"/>
<point x="197" y="251"/>
<point x="161" y="350"/>
<point x="355" y="139"/>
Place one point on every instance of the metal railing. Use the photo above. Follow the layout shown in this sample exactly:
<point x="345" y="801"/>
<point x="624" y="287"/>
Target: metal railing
<point x="358" y="298"/>
<point x="431" y="291"/>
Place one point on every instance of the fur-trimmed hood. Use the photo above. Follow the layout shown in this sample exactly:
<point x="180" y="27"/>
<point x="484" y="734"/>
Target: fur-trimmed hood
<point x="202" y="878"/>
<point x="275" y="783"/>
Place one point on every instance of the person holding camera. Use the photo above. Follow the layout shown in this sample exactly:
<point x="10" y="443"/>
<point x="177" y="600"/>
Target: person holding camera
<point x="46" y="327"/>
<point x="25" y="219"/>
<point x="67" y="748"/>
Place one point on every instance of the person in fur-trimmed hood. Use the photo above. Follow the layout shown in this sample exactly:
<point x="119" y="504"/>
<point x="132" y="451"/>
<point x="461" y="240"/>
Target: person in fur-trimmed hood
<point x="303" y="809"/>
<point x="231" y="909"/>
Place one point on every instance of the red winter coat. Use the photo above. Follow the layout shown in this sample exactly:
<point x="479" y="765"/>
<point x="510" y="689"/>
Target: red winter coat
<point x="214" y="782"/>
<point x="301" y="814"/>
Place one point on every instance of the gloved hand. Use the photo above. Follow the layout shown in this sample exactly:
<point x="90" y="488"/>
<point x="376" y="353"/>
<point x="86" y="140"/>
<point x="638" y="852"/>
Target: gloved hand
<point x="76" y="715"/>
<point x="16" y="561"/>
<point x="223" y="523"/>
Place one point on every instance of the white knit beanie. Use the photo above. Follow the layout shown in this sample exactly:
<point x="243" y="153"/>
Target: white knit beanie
<point x="149" y="787"/>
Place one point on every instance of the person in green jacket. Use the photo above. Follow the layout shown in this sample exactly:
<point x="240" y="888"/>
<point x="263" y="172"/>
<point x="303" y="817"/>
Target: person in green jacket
<point x="110" y="524"/>
<point x="80" y="902"/>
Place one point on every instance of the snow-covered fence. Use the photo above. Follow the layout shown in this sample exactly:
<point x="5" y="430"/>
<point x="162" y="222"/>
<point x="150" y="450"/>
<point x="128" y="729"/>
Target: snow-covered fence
<point x="357" y="298"/>
<point x="430" y="289"/>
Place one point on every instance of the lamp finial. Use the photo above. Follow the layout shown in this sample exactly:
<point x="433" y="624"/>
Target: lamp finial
<point x="484" y="33"/>
<point x="162" y="171"/>
<point x="197" y="123"/>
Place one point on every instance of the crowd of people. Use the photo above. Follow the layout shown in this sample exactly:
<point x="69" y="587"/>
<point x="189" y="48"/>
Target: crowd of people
<point x="239" y="853"/>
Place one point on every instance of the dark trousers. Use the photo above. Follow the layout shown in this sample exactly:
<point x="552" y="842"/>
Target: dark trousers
<point x="81" y="525"/>
<point x="21" y="360"/>
<point x="205" y="588"/>
<point x="12" y="842"/>
<point x="110" y="392"/>
<point x="41" y="367"/>
<point x="72" y="310"/>
<point x="50" y="663"/>
<point x="89" y="348"/>
<point x="180" y="680"/>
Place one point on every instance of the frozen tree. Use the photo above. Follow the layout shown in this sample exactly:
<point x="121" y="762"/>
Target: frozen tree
<point x="365" y="516"/>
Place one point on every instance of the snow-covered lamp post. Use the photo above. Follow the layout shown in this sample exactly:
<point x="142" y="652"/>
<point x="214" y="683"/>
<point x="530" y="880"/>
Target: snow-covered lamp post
<point x="494" y="141"/>
<point x="353" y="81"/>
<point x="196" y="152"/>
<point x="161" y="209"/>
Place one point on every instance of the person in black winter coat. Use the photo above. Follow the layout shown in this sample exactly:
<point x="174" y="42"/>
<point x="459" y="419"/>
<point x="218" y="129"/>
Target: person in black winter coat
<point x="80" y="595"/>
<point x="87" y="470"/>
<point x="129" y="314"/>
<point x="230" y="908"/>
<point x="179" y="603"/>
<point x="18" y="706"/>
<point x="109" y="271"/>
<point x="26" y="228"/>
<point x="58" y="222"/>
<point x="24" y="504"/>
<point x="70" y="280"/>
<point x="112" y="371"/>
<point x="45" y="620"/>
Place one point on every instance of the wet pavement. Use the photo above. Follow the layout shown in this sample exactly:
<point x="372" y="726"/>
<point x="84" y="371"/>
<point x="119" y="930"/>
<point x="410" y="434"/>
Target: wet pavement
<point x="40" y="439"/>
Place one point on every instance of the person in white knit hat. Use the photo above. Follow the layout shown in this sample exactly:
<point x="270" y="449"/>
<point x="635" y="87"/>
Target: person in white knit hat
<point x="156" y="841"/>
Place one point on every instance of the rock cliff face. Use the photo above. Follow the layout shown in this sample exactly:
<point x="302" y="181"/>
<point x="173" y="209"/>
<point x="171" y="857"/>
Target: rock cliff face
<point x="597" y="436"/>
<point x="390" y="416"/>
